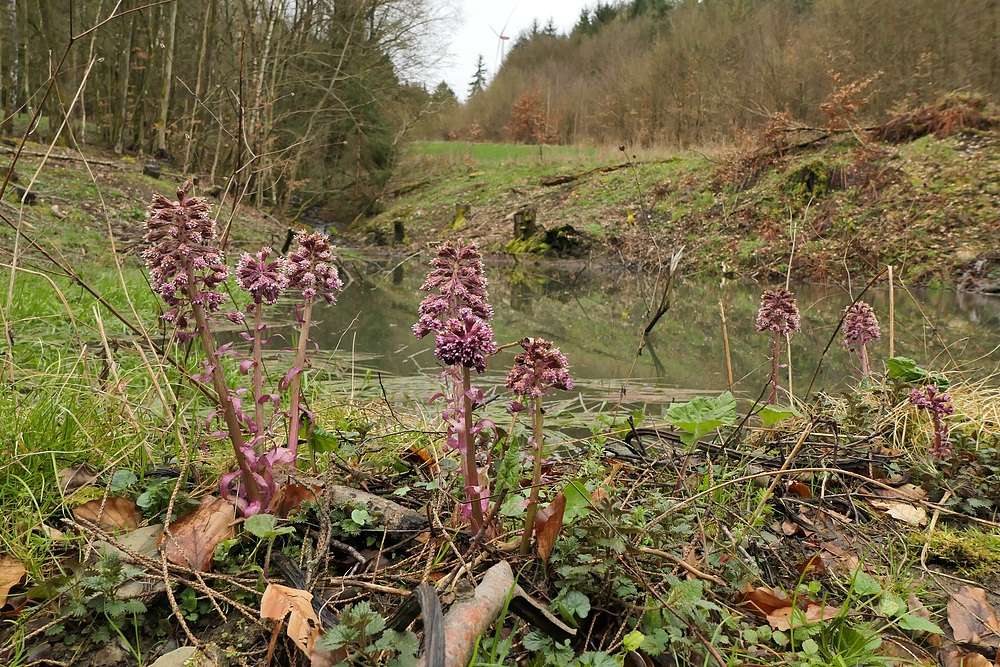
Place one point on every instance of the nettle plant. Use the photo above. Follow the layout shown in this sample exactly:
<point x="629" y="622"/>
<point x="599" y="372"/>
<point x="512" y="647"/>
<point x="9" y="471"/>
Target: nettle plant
<point x="187" y="269"/>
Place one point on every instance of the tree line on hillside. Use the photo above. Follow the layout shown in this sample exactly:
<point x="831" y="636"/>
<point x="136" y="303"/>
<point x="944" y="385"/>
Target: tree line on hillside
<point x="693" y="72"/>
<point x="296" y="100"/>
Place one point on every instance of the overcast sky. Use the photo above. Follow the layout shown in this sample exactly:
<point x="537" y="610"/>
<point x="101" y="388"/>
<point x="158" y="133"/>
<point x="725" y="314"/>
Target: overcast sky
<point x="474" y="33"/>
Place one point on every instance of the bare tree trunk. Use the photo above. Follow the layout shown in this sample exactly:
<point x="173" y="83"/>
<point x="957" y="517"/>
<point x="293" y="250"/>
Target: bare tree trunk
<point x="168" y="75"/>
<point x="119" y="119"/>
<point x="8" y="63"/>
<point x="207" y="30"/>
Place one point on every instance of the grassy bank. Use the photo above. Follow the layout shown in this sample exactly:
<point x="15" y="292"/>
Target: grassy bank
<point x="930" y="207"/>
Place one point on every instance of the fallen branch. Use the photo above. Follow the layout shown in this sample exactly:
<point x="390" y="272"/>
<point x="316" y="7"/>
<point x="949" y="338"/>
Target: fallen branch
<point x="396" y="517"/>
<point x="469" y="618"/>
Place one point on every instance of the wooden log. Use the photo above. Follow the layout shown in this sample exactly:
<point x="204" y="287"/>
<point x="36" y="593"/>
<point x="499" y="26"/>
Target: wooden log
<point x="396" y="517"/>
<point x="470" y="618"/>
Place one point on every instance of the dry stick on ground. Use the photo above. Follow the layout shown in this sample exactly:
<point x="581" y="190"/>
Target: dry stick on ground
<point x="469" y="619"/>
<point x="777" y="478"/>
<point x="725" y="342"/>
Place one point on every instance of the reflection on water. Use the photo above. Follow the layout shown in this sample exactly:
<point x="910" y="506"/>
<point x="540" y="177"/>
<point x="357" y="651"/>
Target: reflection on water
<point x="595" y="318"/>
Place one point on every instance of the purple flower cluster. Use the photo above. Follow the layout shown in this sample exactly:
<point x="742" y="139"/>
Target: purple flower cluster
<point x="460" y="311"/>
<point x="538" y="368"/>
<point x="311" y="267"/>
<point x="778" y="312"/>
<point x="860" y="328"/>
<point x="262" y="279"/>
<point x="184" y="264"/>
<point x="938" y="404"/>
<point x="860" y="325"/>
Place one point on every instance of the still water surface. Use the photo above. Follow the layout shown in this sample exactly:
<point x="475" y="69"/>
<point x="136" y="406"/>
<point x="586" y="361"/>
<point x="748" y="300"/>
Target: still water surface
<point x="596" y="318"/>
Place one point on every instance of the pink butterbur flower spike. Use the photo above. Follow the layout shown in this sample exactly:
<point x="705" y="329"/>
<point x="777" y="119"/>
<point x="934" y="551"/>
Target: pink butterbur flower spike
<point x="779" y="315"/>
<point x="938" y="404"/>
<point x="861" y="328"/>
<point x="536" y="370"/>
<point x="311" y="270"/>
<point x="185" y="268"/>
<point x="458" y="314"/>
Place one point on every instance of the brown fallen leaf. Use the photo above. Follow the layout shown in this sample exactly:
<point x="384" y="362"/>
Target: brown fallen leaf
<point x="75" y="477"/>
<point x="290" y="497"/>
<point x="193" y="537"/>
<point x="799" y="489"/>
<point x="303" y="625"/>
<point x="814" y="565"/>
<point x="972" y="618"/>
<point x="115" y="513"/>
<point x="956" y="656"/>
<point x="781" y="619"/>
<point x="11" y="571"/>
<point x="763" y="601"/>
<point x="905" y="512"/>
<point x="548" y="524"/>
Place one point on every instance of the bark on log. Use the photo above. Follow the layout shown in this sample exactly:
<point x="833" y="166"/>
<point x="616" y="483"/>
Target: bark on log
<point x="469" y="619"/>
<point x="396" y="517"/>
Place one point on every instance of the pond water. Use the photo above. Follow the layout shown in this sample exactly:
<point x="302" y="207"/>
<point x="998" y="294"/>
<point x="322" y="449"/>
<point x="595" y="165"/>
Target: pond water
<point x="596" y="317"/>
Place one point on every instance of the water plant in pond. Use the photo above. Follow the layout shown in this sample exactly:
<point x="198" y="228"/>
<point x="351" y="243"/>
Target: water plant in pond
<point x="779" y="315"/>
<point x="458" y="313"/>
<point x="938" y="404"/>
<point x="860" y="328"/>
<point x="536" y="370"/>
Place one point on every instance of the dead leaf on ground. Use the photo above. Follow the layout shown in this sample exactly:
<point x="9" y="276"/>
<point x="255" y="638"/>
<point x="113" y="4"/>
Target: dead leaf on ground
<point x="814" y="565"/>
<point x="194" y="536"/>
<point x="290" y="497"/>
<point x="781" y="619"/>
<point x="801" y="490"/>
<point x="956" y="656"/>
<point x="115" y="513"/>
<point x="763" y="600"/>
<point x="905" y="512"/>
<point x="902" y="653"/>
<point x="303" y="625"/>
<point x="548" y="523"/>
<point x="11" y="571"/>
<point x="75" y="477"/>
<point x="972" y="618"/>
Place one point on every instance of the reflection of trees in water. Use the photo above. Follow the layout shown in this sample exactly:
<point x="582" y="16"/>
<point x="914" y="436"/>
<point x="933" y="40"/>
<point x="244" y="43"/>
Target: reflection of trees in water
<point x="596" y="318"/>
<point x="981" y="309"/>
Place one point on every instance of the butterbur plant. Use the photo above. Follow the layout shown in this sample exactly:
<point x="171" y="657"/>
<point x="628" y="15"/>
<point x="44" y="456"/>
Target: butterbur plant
<point x="458" y="312"/>
<point x="861" y="328"/>
<point x="312" y="272"/>
<point x="938" y="404"/>
<point x="537" y="369"/>
<point x="186" y="268"/>
<point x="779" y="315"/>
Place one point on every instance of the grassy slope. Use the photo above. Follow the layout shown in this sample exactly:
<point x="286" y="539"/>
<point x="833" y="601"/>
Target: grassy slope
<point x="931" y="207"/>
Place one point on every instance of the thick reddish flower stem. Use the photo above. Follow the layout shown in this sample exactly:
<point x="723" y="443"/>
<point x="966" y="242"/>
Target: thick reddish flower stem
<point x="470" y="471"/>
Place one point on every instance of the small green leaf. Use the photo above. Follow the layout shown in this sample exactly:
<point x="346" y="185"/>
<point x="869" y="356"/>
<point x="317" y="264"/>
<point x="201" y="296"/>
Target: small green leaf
<point x="890" y="605"/>
<point x="360" y="517"/>
<point x="913" y="622"/>
<point x="702" y="415"/>
<point x="574" y="603"/>
<point x="259" y="525"/>
<point x="633" y="640"/>
<point x="865" y="584"/>
<point x="810" y="647"/>
<point x="509" y="472"/>
<point x="122" y="479"/>
<point x="401" y="491"/>
<point x="772" y="414"/>
<point x="578" y="501"/>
